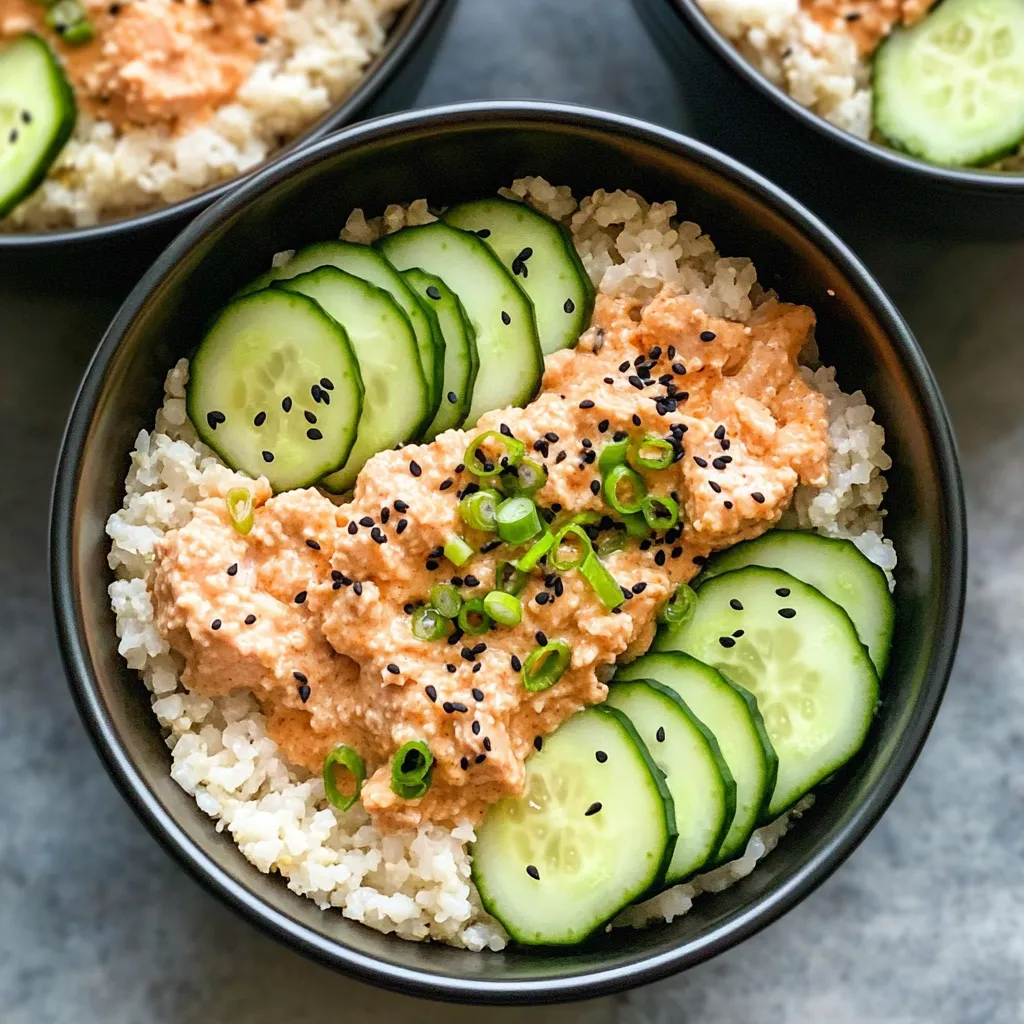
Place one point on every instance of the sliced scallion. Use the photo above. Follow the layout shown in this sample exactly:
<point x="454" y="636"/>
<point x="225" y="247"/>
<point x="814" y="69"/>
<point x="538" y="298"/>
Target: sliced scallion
<point x="69" y="20"/>
<point x="660" y="511"/>
<point x="680" y="606"/>
<point x="480" y="509"/>
<point x="518" y="520"/>
<point x="532" y="557"/>
<point x="545" y="666"/>
<point x="428" y="624"/>
<point x="508" y="578"/>
<point x="612" y="454"/>
<point x="347" y="758"/>
<point x="457" y="551"/>
<point x="503" y="608"/>
<point x="603" y="582"/>
<point x="411" y="769"/>
<point x="445" y="600"/>
<point x="616" y="480"/>
<point x="239" y="503"/>
<point x="636" y="525"/>
<point x="527" y="478"/>
<point x="651" y="452"/>
<point x="477" y="461"/>
<point x="573" y="533"/>
<point x="473" y="618"/>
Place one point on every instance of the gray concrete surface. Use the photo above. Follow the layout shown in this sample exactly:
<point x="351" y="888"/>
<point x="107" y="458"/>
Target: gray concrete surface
<point x="922" y="926"/>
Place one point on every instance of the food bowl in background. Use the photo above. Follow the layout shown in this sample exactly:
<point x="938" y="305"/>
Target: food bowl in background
<point x="855" y="184"/>
<point x="448" y="154"/>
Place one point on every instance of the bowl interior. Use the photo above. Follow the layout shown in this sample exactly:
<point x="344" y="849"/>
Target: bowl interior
<point x="445" y="157"/>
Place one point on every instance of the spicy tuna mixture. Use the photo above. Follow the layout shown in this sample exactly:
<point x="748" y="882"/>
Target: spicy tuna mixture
<point x="311" y="610"/>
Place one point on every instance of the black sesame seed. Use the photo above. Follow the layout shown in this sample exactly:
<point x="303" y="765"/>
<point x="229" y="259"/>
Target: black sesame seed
<point x="431" y="564"/>
<point x="541" y="638"/>
<point x="708" y="335"/>
<point x="561" y="457"/>
<point x="700" y="462"/>
<point x="232" y="568"/>
<point x="636" y="382"/>
<point x="445" y="484"/>
<point x="259" y="419"/>
<point x="570" y="306"/>
<point x="464" y="763"/>
<point x="727" y="641"/>
<point x="314" y="434"/>
<point x="477" y="667"/>
<point x="300" y="677"/>
<point x="586" y="404"/>
<point x="727" y="504"/>
<point x="401" y="525"/>
<point x="592" y="809"/>
<point x="516" y="663"/>
<point x="479" y="648"/>
<point x="357" y="589"/>
<point x="310" y="416"/>
<point x="431" y="693"/>
<point x="542" y="598"/>
<point x="725" y="445"/>
<point x="505" y="318"/>
<point x="716" y="487"/>
<point x="414" y="468"/>
<point x="533" y="872"/>
<point x="480" y="758"/>
<point x="393" y="668"/>
<point x="676" y="552"/>
<point x="783" y="591"/>
<point x="450" y="667"/>
<point x="250" y="619"/>
<point x="448" y="707"/>
<point x="477" y="694"/>
<point x="316" y="393"/>
<point x="366" y="521"/>
<point x="737" y="633"/>
<point x="326" y="382"/>
<point x="286" y="404"/>
<point x="601" y="756"/>
<point x="736" y="605"/>
<point x="719" y="432"/>
<point x="304" y="692"/>
<point x="433" y="292"/>
<point x="467" y="654"/>
<point x="639" y="588"/>
<point x="215" y="417"/>
<point x="353" y="528"/>
<point x="595" y="486"/>
<point x="268" y="456"/>
<point x="300" y="597"/>
<point x="216" y="624"/>
<point x="721" y="462"/>
<point x="659" y="558"/>
<point x="660" y="734"/>
<point x="460" y="708"/>
<point x="538" y="742"/>
<point x="758" y="497"/>
<point x="491" y="545"/>
<point x="385" y="514"/>
<point x="487" y="743"/>
<point x="787" y="613"/>
<point x="400" y="506"/>
<point x="472" y="581"/>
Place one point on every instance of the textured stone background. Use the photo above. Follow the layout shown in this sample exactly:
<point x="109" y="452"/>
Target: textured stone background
<point x="922" y="926"/>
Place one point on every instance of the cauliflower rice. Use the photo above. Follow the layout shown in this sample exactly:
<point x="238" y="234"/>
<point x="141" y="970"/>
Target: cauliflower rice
<point x="418" y="884"/>
<point x="318" y="54"/>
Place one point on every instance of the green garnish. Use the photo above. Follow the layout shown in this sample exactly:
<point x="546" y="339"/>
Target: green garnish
<point x="518" y="520"/>
<point x="68" y="19"/>
<point x="476" y="459"/>
<point x="622" y="476"/>
<point x="680" y="606"/>
<point x="641" y="457"/>
<point x="545" y="666"/>
<point x="473" y="618"/>
<point x="343" y="757"/>
<point x="428" y="624"/>
<point x="508" y="578"/>
<point x="445" y="600"/>
<point x="410" y="770"/>
<point x="571" y="532"/>
<point x="636" y="525"/>
<point x="603" y="582"/>
<point x="660" y="511"/>
<point x="239" y="503"/>
<point x="532" y="557"/>
<point x="480" y="509"/>
<point x="457" y="551"/>
<point x="527" y="478"/>
<point x="503" y="608"/>
<point x="612" y="454"/>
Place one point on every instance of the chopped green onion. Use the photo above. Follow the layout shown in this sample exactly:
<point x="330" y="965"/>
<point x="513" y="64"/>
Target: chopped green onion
<point x="445" y="600"/>
<point x="505" y="609"/>
<point x="613" y="481"/>
<point x="343" y="757"/>
<point x="479" y="509"/>
<point x="603" y="582"/>
<point x="508" y="578"/>
<point x="636" y="525"/>
<point x="428" y="624"/>
<point x="239" y="503"/>
<point x="526" y="478"/>
<point x="680" y="607"/>
<point x="473" y="618"/>
<point x="410" y="770"/>
<point x="545" y="666"/>
<point x="660" y="511"/>
<point x="480" y="465"/>
<point x="616" y="542"/>
<point x="573" y="532"/>
<point x="532" y="557"/>
<point x="639" y="457"/>
<point x="68" y="19"/>
<point x="457" y="551"/>
<point x="518" y="520"/>
<point x="612" y="454"/>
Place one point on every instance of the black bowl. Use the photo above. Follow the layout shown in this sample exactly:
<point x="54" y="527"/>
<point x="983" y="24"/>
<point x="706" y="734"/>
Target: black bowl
<point x="448" y="154"/>
<point x="844" y="177"/>
<point x="391" y="82"/>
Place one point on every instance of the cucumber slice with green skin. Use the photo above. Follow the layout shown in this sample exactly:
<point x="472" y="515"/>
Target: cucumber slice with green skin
<point x="396" y="397"/>
<point x="702" y="787"/>
<point x="364" y="261"/>
<point x="460" y="359"/>
<point x="829" y="564"/>
<point x="799" y="654"/>
<point x="541" y="256"/>
<point x="593" y="831"/>
<point x="252" y="387"/>
<point x="37" y="116"/>
<point x="502" y="317"/>
<point x="731" y="713"/>
<point x="950" y="89"/>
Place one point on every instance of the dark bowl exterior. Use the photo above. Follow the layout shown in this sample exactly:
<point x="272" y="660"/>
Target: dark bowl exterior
<point x="448" y="154"/>
<point x="119" y="248"/>
<point x="840" y="176"/>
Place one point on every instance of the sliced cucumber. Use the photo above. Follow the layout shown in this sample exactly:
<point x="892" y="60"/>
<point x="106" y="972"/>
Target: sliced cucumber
<point x="799" y="654"/>
<point x="366" y="262"/>
<point x="542" y="257"/>
<point x="731" y="713"/>
<point x="37" y="116"/>
<point x="702" y="787"/>
<point x="460" y="359"/>
<point x="950" y="89"/>
<point x="593" y="830"/>
<point x="396" y="398"/>
<point x="832" y="565"/>
<point x="253" y="382"/>
<point x="502" y="316"/>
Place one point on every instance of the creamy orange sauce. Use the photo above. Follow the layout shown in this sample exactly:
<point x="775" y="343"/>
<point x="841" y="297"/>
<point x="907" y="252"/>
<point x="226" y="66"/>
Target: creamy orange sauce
<point x="320" y="632"/>
<point x="868" y="22"/>
<point x="167" y="63"/>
